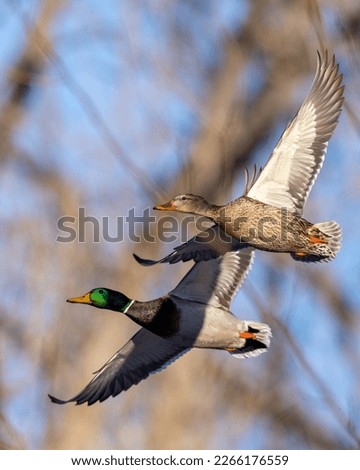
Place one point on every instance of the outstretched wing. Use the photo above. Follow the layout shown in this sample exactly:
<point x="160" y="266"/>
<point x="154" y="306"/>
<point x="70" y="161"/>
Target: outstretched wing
<point x="291" y="170"/>
<point x="216" y="282"/>
<point x="209" y="244"/>
<point x="144" y="354"/>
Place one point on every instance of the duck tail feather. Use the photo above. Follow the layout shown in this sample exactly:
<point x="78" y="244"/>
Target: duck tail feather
<point x="333" y="230"/>
<point x="255" y="345"/>
<point x="328" y="247"/>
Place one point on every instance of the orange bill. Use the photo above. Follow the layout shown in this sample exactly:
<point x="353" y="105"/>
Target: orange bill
<point x="83" y="299"/>
<point x="168" y="206"/>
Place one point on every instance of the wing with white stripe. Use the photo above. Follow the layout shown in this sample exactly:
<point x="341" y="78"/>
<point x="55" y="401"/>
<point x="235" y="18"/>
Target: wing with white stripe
<point x="216" y="282"/>
<point x="291" y="170"/>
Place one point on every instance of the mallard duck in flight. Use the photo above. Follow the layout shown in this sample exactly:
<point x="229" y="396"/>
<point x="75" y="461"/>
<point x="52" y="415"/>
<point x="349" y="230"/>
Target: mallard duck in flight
<point x="269" y="214"/>
<point x="194" y="315"/>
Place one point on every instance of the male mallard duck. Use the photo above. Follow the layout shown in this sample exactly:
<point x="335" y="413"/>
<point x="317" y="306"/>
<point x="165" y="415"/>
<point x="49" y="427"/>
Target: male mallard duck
<point x="193" y="315"/>
<point x="269" y="214"/>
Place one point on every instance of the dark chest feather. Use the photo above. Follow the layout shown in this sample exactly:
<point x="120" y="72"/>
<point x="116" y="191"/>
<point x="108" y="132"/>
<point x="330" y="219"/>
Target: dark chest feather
<point x="162" y="317"/>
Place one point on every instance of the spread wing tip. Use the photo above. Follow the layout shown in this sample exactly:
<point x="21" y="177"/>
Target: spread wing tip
<point x="145" y="262"/>
<point x="57" y="400"/>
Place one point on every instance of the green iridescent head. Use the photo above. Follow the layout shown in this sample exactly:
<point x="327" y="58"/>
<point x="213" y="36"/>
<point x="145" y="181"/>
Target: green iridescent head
<point x="101" y="297"/>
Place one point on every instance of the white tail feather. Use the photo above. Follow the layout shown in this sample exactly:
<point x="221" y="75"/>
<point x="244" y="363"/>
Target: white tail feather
<point x="252" y="347"/>
<point x="333" y="230"/>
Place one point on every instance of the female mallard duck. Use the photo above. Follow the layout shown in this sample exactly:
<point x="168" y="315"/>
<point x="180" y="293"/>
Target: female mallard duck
<point x="269" y="214"/>
<point x="193" y="315"/>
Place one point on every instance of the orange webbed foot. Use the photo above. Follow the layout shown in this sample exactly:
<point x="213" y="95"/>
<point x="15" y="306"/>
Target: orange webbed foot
<point x="317" y="240"/>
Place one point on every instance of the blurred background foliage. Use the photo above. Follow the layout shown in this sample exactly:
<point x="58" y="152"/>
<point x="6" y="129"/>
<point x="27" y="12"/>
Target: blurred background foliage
<point x="112" y="106"/>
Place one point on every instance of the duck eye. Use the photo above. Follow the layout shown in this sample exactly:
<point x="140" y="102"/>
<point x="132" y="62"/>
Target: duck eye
<point x="101" y="291"/>
<point x="183" y="198"/>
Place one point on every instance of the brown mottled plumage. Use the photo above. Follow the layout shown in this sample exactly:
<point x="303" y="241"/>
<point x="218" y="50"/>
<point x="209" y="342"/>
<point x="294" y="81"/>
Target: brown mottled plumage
<point x="269" y="214"/>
